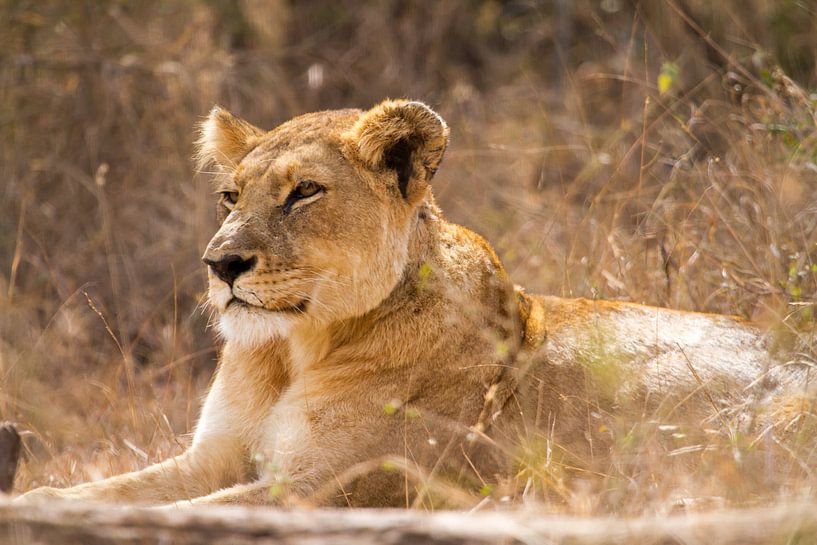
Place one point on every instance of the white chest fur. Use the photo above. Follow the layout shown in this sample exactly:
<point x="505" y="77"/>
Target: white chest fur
<point x="285" y="434"/>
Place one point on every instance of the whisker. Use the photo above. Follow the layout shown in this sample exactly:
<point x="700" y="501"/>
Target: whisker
<point x="308" y="297"/>
<point x="323" y="275"/>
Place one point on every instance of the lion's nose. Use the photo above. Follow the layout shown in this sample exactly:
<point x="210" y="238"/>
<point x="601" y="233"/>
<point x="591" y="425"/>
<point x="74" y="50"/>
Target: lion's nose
<point x="230" y="267"/>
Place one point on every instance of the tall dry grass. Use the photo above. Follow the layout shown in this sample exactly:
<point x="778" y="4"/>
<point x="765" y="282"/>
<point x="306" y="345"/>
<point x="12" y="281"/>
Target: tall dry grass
<point x="660" y="152"/>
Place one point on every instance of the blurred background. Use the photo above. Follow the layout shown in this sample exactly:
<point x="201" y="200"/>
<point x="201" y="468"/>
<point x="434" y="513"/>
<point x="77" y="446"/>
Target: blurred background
<point x="660" y="151"/>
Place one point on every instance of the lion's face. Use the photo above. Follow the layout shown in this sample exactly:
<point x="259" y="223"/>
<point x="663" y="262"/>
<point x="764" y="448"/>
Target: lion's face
<point x="316" y="214"/>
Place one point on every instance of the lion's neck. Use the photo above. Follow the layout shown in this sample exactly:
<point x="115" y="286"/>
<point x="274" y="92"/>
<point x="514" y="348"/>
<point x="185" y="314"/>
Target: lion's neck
<point x="307" y="345"/>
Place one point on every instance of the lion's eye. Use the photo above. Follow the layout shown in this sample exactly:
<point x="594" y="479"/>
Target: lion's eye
<point x="306" y="189"/>
<point x="229" y="198"/>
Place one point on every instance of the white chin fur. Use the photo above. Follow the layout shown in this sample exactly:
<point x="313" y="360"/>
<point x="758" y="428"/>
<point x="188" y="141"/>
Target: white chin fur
<point x="249" y="327"/>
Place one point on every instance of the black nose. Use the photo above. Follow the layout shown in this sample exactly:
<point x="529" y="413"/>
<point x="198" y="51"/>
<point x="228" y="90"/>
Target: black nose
<point x="230" y="267"/>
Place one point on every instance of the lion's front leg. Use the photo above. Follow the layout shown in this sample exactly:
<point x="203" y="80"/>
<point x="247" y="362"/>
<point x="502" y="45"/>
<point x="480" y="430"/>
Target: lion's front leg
<point x="198" y="472"/>
<point x="256" y="493"/>
<point x="217" y="459"/>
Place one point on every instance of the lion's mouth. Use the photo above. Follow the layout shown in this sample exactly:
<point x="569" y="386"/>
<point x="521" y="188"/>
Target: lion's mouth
<point x="299" y="308"/>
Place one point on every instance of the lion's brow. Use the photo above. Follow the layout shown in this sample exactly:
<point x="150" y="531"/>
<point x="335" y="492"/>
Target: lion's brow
<point x="291" y="168"/>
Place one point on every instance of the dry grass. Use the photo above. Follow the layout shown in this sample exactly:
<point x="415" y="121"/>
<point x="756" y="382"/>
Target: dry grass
<point x="607" y="149"/>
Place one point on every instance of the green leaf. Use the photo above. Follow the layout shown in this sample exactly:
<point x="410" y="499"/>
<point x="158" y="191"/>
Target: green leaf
<point x="392" y="406"/>
<point x="667" y="77"/>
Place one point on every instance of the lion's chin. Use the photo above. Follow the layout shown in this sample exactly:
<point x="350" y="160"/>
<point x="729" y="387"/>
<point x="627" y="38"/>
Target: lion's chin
<point x="252" y="326"/>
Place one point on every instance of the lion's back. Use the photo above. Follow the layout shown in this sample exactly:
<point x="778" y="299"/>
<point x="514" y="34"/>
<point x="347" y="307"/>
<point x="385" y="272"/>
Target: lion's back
<point x="645" y="349"/>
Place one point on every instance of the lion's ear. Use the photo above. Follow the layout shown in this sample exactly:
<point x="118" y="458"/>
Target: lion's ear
<point x="224" y="139"/>
<point x="406" y="137"/>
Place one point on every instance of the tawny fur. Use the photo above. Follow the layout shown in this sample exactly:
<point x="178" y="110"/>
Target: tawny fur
<point x="380" y="349"/>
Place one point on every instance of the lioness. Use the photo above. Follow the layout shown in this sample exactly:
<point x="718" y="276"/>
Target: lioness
<point x="371" y="347"/>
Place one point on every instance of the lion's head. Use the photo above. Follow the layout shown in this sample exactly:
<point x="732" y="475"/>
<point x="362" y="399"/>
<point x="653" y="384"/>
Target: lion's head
<point x="316" y="214"/>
